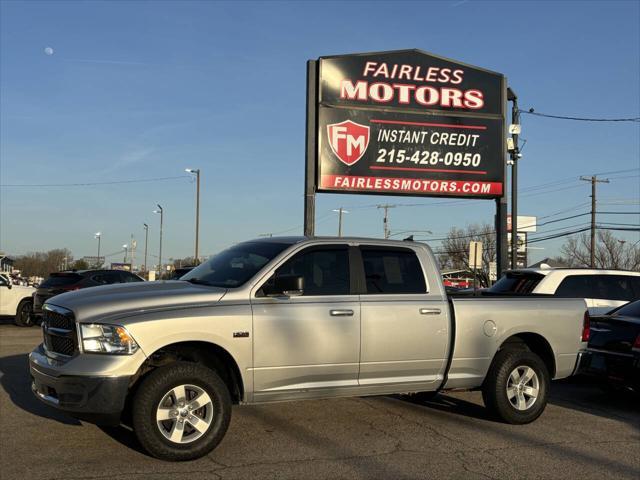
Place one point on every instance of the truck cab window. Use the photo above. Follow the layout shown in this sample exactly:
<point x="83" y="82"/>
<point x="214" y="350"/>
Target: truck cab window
<point x="325" y="271"/>
<point x="392" y="271"/>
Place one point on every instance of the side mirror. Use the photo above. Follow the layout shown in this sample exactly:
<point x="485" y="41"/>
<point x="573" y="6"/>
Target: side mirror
<point x="289" y="285"/>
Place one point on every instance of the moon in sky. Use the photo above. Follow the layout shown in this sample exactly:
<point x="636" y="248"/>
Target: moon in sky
<point x="48" y="51"/>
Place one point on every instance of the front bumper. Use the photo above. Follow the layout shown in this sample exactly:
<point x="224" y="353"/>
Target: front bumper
<point x="92" y="398"/>
<point x="618" y="368"/>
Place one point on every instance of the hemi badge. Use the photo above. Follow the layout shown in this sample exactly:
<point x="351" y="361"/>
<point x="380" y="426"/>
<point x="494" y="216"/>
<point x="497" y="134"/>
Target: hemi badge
<point x="240" y="334"/>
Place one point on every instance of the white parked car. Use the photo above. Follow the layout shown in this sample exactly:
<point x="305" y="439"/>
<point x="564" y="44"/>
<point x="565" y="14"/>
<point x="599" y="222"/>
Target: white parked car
<point x="16" y="300"/>
<point x="603" y="290"/>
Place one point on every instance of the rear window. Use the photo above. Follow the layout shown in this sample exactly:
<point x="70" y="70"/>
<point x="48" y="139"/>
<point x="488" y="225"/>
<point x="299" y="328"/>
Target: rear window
<point x="605" y="287"/>
<point x="61" y="280"/>
<point x="629" y="310"/>
<point x="107" y="278"/>
<point x="130" y="277"/>
<point x="393" y="271"/>
<point x="517" y="282"/>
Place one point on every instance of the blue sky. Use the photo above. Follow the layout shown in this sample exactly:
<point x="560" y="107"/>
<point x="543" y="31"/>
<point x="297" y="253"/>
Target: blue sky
<point x="144" y="89"/>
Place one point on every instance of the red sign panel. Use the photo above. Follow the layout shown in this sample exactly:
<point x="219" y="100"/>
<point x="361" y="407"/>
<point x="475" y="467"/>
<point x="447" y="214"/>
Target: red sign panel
<point x="348" y="141"/>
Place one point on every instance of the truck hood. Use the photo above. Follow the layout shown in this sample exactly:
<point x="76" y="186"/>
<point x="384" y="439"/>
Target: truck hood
<point x="115" y="301"/>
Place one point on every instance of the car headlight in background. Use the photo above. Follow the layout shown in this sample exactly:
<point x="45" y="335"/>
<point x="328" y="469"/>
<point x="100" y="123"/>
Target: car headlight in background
<point x="102" y="338"/>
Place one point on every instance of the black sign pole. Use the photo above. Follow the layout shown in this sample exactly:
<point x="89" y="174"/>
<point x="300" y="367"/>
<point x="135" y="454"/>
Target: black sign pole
<point x="515" y="154"/>
<point x="310" y="178"/>
<point x="502" y="258"/>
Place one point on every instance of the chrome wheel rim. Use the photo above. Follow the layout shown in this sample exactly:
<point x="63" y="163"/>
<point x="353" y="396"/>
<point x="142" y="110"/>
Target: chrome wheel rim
<point x="523" y="388"/>
<point x="184" y="414"/>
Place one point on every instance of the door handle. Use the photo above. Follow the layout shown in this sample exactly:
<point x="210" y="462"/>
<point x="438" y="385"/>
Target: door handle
<point x="430" y="311"/>
<point x="341" y="313"/>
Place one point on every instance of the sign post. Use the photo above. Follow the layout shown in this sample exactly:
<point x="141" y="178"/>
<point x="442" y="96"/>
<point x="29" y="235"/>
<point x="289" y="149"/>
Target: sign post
<point x="310" y="164"/>
<point x="475" y="260"/>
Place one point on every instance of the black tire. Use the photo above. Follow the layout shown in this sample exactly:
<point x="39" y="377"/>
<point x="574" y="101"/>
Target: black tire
<point x="23" y="316"/>
<point x="494" y="390"/>
<point x="154" y="388"/>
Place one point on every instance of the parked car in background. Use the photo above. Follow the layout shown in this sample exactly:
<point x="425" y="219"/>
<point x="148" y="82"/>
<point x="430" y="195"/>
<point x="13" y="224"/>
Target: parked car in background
<point x="614" y="347"/>
<point x="16" y="300"/>
<point x="62" y="282"/>
<point x="603" y="290"/>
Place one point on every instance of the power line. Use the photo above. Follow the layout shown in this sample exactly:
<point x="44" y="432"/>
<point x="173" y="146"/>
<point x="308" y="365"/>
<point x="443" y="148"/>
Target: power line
<point x="620" y="213"/>
<point x="90" y="184"/>
<point x="581" y="119"/>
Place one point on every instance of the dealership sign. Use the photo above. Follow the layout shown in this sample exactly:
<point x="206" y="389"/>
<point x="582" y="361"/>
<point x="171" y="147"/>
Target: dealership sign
<point x="408" y="123"/>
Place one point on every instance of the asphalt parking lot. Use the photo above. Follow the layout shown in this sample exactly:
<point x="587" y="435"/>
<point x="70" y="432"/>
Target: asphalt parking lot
<point x="584" y="433"/>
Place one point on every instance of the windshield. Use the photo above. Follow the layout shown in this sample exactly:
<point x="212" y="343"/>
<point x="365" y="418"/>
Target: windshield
<point x="517" y="282"/>
<point x="233" y="267"/>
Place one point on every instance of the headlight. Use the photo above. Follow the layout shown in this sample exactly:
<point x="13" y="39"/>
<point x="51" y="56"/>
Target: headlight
<point x="100" y="338"/>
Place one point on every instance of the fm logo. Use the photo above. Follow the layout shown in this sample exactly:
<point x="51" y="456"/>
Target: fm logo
<point x="348" y="141"/>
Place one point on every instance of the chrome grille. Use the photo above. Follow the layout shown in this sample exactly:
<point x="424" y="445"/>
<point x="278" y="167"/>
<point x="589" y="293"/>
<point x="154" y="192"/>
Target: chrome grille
<point x="59" y="331"/>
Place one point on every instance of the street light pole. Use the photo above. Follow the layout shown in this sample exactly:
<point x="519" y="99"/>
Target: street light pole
<point x="99" y="236"/>
<point x="146" y="242"/>
<point x="197" y="174"/>
<point x="161" y="212"/>
<point x="125" y="253"/>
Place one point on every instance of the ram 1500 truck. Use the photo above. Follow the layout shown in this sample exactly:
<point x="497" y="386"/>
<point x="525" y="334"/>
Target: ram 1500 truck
<point x="288" y="319"/>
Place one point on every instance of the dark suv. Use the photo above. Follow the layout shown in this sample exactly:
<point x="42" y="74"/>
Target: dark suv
<point x="61" y="282"/>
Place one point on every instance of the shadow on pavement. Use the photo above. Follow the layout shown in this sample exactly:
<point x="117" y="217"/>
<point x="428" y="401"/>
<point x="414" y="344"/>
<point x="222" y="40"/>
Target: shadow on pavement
<point x="16" y="381"/>
<point x="124" y="436"/>
<point x="592" y="396"/>
<point x="584" y="394"/>
<point x="445" y="403"/>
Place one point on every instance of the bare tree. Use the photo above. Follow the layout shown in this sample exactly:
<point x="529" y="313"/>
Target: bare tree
<point x="611" y="252"/>
<point x="183" y="262"/>
<point x="41" y="264"/>
<point x="454" y="252"/>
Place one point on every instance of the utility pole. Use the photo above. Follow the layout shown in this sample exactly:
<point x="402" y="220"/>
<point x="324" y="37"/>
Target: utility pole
<point x="146" y="242"/>
<point x="593" y="179"/>
<point x="340" y="212"/>
<point x="385" y="222"/>
<point x="514" y="151"/>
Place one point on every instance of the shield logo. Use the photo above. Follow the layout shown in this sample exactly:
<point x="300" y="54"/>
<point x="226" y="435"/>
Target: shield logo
<point x="348" y="141"/>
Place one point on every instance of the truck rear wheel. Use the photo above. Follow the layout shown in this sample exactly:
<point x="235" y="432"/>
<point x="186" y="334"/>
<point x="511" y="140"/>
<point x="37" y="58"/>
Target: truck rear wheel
<point x="181" y="411"/>
<point x="517" y="386"/>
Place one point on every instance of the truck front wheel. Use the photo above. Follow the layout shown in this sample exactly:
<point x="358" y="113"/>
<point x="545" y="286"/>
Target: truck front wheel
<point x="517" y="386"/>
<point x="181" y="411"/>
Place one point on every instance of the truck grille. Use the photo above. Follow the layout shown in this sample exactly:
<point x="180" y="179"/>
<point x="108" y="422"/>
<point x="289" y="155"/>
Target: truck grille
<point x="59" y="331"/>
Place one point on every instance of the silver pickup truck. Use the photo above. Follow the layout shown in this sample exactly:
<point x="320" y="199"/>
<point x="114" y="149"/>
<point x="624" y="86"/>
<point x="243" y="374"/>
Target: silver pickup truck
<point x="288" y="319"/>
